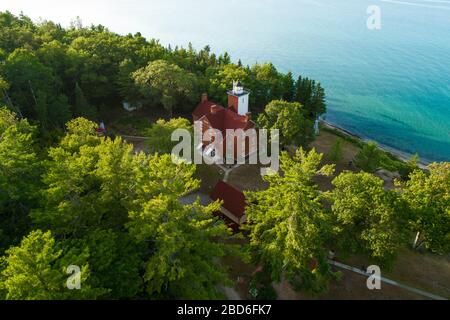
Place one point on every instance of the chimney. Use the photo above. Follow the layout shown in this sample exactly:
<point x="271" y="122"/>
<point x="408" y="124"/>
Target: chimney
<point x="214" y="109"/>
<point x="204" y="97"/>
<point x="248" y="115"/>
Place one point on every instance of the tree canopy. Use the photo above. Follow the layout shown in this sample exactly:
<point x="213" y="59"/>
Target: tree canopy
<point x="369" y="219"/>
<point x="289" y="226"/>
<point x="165" y="83"/>
<point x="288" y="117"/>
<point x="159" y="134"/>
<point x="428" y="196"/>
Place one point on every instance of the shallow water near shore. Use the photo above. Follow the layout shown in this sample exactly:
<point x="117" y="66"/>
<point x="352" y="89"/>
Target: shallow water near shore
<point x="390" y="85"/>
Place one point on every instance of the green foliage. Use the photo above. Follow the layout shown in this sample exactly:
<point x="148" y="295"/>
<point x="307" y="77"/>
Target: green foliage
<point x="288" y="87"/>
<point x="311" y="95"/>
<point x="36" y="270"/>
<point x="289" y="226"/>
<point x="54" y="72"/>
<point x="82" y="107"/>
<point x="183" y="239"/>
<point x="428" y="196"/>
<point x="114" y="262"/>
<point x="34" y="89"/>
<point x="86" y="188"/>
<point x="369" y="157"/>
<point x="261" y="284"/>
<point x="165" y="83"/>
<point x="160" y="134"/>
<point x="96" y="189"/>
<point x="94" y="192"/>
<point x="4" y="86"/>
<point x="290" y="119"/>
<point x="222" y="78"/>
<point x="335" y="154"/>
<point x="368" y="219"/>
<point x="267" y="84"/>
<point x="19" y="176"/>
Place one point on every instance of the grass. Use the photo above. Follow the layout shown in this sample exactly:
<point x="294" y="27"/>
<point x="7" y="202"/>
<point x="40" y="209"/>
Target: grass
<point x="133" y="123"/>
<point x="425" y="271"/>
<point x="247" y="178"/>
<point x="324" y="144"/>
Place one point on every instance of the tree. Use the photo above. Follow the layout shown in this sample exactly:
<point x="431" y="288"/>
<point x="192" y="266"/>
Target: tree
<point x="167" y="83"/>
<point x="160" y="134"/>
<point x="368" y="219"/>
<point x="95" y="187"/>
<point x="16" y="32"/>
<point x="185" y="241"/>
<point x="428" y="196"/>
<point x="335" y="154"/>
<point x="288" y="87"/>
<point x="267" y="84"/>
<point x="4" y="86"/>
<point x="35" y="90"/>
<point x="36" y="270"/>
<point x="86" y="188"/>
<point x="368" y="158"/>
<point x="311" y="95"/>
<point x="128" y="89"/>
<point x="288" y="225"/>
<point x="82" y="107"/>
<point x="289" y="118"/>
<point x="221" y="80"/>
<point x="19" y="176"/>
<point x="115" y="262"/>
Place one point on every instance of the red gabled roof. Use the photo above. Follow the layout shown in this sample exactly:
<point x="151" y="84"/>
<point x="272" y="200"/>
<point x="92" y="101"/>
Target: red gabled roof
<point x="233" y="199"/>
<point x="223" y="119"/>
<point x="203" y="108"/>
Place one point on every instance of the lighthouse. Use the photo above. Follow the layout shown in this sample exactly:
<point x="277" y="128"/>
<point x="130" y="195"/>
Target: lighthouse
<point x="238" y="99"/>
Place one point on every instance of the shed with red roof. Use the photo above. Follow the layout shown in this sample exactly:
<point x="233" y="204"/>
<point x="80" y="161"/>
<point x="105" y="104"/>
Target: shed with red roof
<point x="234" y="202"/>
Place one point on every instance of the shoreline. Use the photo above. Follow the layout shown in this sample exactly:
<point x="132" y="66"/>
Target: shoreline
<point x="400" y="155"/>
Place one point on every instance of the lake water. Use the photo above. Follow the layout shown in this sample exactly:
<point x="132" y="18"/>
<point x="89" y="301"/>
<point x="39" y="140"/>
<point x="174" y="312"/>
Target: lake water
<point x="390" y="85"/>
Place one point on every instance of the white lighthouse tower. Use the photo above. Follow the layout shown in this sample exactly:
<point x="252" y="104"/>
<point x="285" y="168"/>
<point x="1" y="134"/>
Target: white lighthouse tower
<point x="238" y="99"/>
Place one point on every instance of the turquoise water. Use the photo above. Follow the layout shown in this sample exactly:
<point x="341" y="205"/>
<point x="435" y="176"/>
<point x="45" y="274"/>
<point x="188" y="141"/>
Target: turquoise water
<point x="390" y="85"/>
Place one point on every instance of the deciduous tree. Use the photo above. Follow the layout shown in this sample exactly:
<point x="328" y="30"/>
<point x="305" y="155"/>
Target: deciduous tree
<point x="36" y="270"/>
<point x="290" y="119"/>
<point x="167" y="83"/>
<point x="289" y="225"/>
<point x="428" y="196"/>
<point x="369" y="219"/>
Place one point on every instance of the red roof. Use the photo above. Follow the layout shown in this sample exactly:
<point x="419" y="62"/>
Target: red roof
<point x="233" y="199"/>
<point x="223" y="118"/>
<point x="203" y="108"/>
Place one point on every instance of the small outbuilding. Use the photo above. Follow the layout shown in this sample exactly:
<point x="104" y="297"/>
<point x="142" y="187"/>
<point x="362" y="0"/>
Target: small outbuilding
<point x="234" y="203"/>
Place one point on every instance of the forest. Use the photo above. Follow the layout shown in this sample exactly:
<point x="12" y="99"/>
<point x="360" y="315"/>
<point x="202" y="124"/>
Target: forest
<point x="71" y="197"/>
